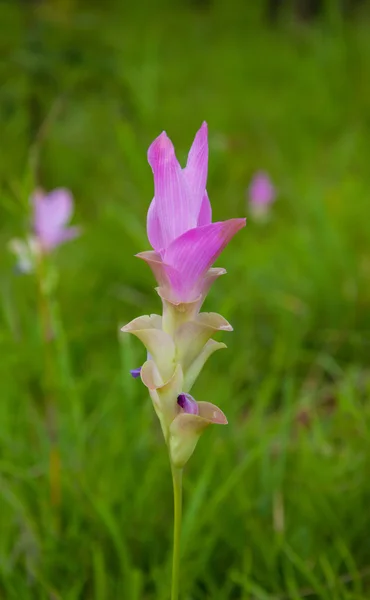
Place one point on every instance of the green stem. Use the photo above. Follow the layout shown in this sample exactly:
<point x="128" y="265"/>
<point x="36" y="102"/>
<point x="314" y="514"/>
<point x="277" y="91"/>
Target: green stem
<point x="177" y="497"/>
<point x="47" y="331"/>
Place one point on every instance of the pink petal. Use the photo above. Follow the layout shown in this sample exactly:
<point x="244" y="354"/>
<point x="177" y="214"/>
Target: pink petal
<point x="209" y="278"/>
<point x="155" y="262"/>
<point x="173" y="200"/>
<point x="196" y="169"/>
<point x="195" y="251"/>
<point x="189" y="308"/>
<point x="164" y="274"/>
<point x="153" y="227"/>
<point x="170" y="279"/>
<point x="205" y="213"/>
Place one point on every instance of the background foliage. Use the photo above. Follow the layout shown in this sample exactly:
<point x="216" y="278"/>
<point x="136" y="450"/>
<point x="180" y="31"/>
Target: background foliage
<point x="276" y="504"/>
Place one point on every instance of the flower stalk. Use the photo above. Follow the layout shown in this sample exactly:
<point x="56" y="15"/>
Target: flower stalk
<point x="46" y="284"/>
<point x="177" y="503"/>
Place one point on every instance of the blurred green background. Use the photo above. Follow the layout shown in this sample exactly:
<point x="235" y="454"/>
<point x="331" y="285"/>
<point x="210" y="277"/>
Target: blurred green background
<point x="277" y="503"/>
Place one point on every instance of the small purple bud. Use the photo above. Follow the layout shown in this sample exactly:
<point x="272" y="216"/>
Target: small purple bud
<point x="135" y="373"/>
<point x="188" y="404"/>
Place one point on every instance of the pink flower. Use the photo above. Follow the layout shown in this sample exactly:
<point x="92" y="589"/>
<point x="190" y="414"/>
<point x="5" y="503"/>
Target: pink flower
<point x="261" y="194"/>
<point x="51" y="214"/>
<point x="179" y="224"/>
<point x="179" y="342"/>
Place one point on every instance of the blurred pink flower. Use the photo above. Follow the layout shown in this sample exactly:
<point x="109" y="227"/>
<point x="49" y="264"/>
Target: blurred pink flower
<point x="179" y="224"/>
<point x="262" y="194"/>
<point x="51" y="214"/>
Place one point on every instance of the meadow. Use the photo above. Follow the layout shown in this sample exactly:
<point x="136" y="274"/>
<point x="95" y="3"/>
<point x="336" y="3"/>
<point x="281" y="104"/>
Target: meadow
<point x="277" y="502"/>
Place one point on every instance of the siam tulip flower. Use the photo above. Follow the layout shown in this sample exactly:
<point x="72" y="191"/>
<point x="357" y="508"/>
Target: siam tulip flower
<point x="50" y="216"/>
<point x="185" y="244"/>
<point x="262" y="194"/>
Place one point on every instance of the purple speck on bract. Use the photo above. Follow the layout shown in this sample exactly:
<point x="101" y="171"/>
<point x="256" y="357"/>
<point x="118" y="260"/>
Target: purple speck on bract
<point x="188" y="404"/>
<point x="135" y="373"/>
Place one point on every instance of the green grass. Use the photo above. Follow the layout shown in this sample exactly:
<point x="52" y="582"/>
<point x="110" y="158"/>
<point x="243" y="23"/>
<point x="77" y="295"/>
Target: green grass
<point x="277" y="503"/>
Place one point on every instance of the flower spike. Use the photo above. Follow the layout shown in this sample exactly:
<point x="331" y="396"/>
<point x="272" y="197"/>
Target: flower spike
<point x="185" y="244"/>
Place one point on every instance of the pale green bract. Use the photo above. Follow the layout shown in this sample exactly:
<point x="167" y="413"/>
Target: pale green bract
<point x="179" y="343"/>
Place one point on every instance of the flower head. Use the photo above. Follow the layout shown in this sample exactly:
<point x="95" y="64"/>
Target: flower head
<point x="51" y="215"/>
<point x="262" y="194"/>
<point x="185" y="242"/>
